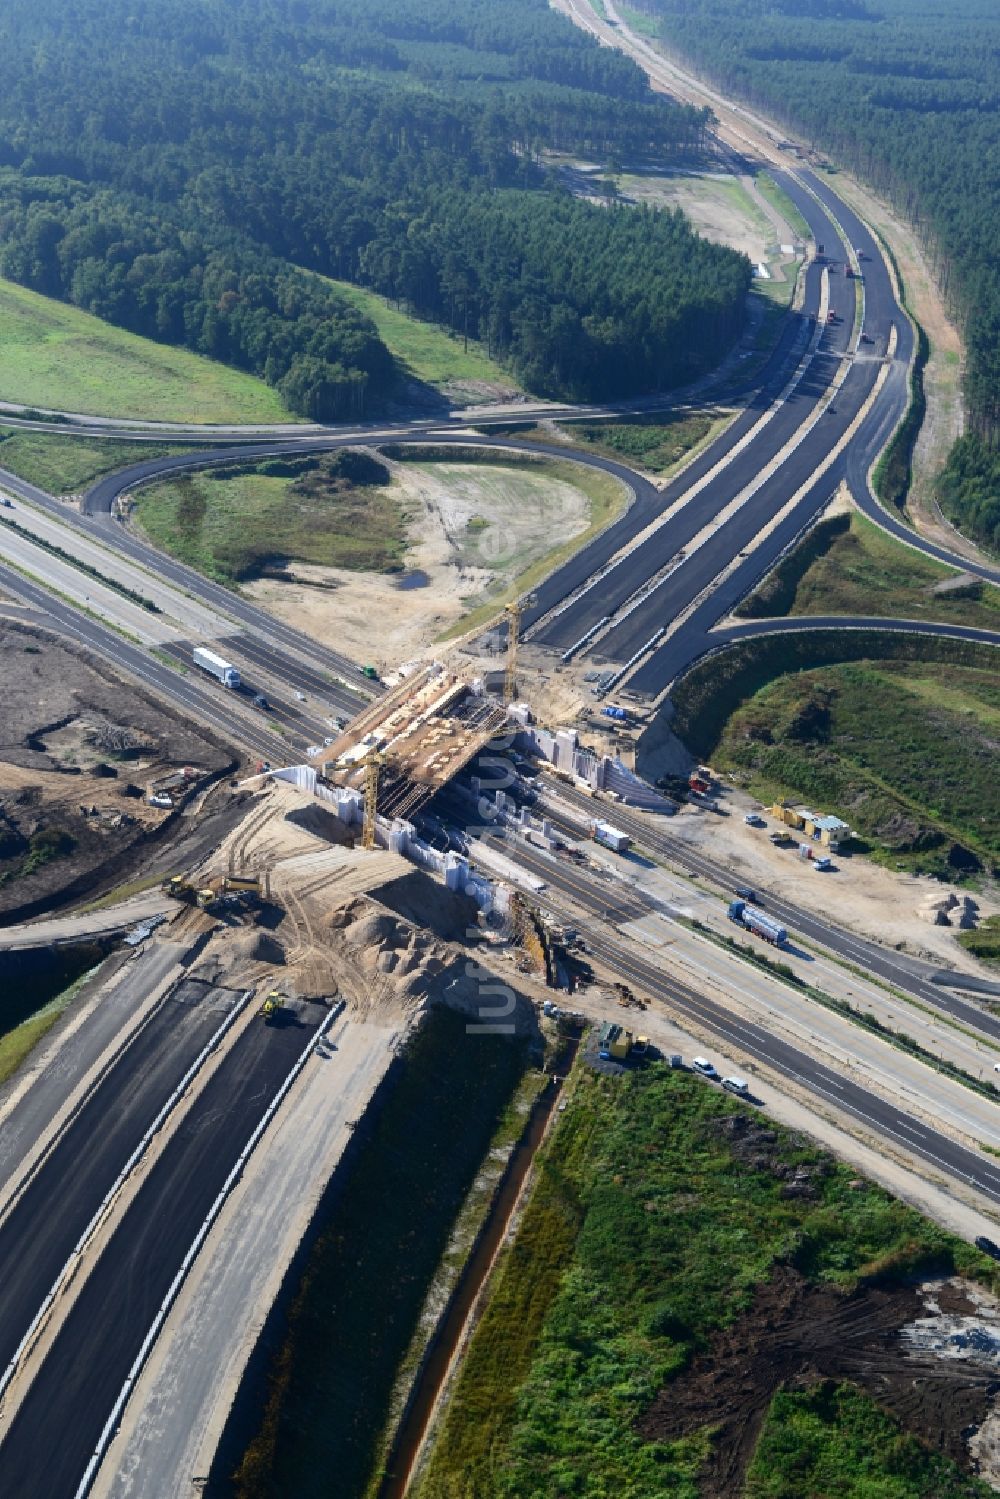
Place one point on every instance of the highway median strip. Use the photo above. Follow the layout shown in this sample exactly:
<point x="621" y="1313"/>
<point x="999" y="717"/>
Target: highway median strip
<point x="84" y="567"/>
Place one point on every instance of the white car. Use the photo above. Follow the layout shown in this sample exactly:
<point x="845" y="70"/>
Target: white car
<point x="736" y="1085"/>
<point x="704" y="1066"/>
<point x="314" y="750"/>
<point x="300" y="695"/>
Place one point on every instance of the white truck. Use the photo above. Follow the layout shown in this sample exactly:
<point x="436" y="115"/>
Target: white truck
<point x="222" y="671"/>
<point x="610" y="837"/>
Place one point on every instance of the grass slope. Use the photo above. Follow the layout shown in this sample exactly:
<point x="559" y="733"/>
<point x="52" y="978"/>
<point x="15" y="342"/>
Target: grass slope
<point x="904" y="752"/>
<point x="59" y="357"/>
<point x="30" y="1008"/>
<point x="66" y="465"/>
<point x="656" y="444"/>
<point x="427" y="351"/>
<point x="643" y="1234"/>
<point x="853" y="567"/>
<point x="232" y="525"/>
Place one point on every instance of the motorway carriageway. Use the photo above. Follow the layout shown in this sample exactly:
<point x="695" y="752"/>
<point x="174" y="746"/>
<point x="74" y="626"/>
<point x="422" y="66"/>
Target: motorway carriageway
<point x="58" y="1425"/>
<point x="188" y="692"/>
<point x="887" y="1120"/>
<point x="647" y="559"/>
<point x="865" y="955"/>
<point x="260" y="624"/>
<point x="45" y="1223"/>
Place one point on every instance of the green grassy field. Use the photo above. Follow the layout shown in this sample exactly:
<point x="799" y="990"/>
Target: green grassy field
<point x="231" y="526"/>
<point x="363" y="1288"/>
<point x="429" y="352"/>
<point x="645" y="1232"/>
<point x="656" y="444"/>
<point x="984" y="943"/>
<point x="57" y="357"/>
<point x="66" y="465"/>
<point x="856" y="568"/>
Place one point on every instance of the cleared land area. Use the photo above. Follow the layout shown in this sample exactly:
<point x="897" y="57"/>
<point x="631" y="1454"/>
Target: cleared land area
<point x="58" y="357"/>
<point x="472" y="534"/>
<point x="75" y="756"/>
<point x="848" y="565"/>
<point x="427" y="353"/>
<point x="679" y="1260"/>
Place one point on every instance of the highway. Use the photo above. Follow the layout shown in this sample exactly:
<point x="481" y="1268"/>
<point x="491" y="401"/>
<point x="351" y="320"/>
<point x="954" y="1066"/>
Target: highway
<point x="621" y="957"/>
<point x="75" y="1389"/>
<point x="39" y="1231"/>
<point x="570" y="808"/>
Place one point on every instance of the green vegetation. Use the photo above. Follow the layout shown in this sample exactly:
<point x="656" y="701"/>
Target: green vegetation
<point x="900" y="92"/>
<point x="30" y="1007"/>
<point x="779" y="199"/>
<point x="427" y="351"/>
<point x="57" y="356"/>
<point x="367" y="1275"/>
<point x="907" y="756"/>
<point x="406" y="156"/>
<point x="43" y="847"/>
<point x="655" y="443"/>
<point x="969" y="491"/>
<point x="984" y="943"/>
<point x="66" y="465"/>
<point x="857" y="568"/>
<point x="894" y="470"/>
<point x="237" y="522"/>
<point x="646" y="1231"/>
<point x="835" y="1441"/>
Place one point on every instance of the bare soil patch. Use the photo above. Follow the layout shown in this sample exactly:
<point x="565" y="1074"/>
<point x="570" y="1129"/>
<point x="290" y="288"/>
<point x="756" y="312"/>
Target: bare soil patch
<point x="796" y="1334"/>
<point x="77" y="749"/>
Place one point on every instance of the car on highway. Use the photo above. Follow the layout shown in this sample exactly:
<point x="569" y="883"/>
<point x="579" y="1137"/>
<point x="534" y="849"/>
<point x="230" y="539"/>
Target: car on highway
<point x="301" y="697"/>
<point x="313" y="750"/>
<point x="260" y="701"/>
<point x="744" y="892"/>
<point x="704" y="1066"/>
<point x="988" y="1247"/>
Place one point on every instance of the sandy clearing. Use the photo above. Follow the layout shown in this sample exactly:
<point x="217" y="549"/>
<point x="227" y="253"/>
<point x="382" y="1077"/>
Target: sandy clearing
<point x="861" y="896"/>
<point x="517" y="514"/>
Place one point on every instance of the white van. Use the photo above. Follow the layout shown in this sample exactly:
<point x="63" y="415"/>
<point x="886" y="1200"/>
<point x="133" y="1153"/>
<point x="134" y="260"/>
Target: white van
<point x="736" y="1085"/>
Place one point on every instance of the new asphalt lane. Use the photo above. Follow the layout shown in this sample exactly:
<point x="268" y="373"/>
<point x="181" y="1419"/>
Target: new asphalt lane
<point x="45" y="1223"/>
<point x="59" y="1422"/>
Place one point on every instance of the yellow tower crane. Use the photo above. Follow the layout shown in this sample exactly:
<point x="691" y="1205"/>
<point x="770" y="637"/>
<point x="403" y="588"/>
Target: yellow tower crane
<point x="512" y="614"/>
<point x="374" y="761"/>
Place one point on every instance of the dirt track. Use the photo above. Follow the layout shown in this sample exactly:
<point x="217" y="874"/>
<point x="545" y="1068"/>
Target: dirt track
<point x="795" y="1334"/>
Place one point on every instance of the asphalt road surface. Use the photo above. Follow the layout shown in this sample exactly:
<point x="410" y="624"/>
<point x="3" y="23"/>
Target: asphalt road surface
<point x="58" y="1425"/>
<point x="869" y="956"/>
<point x="39" y="1234"/>
<point x="884" y="1118"/>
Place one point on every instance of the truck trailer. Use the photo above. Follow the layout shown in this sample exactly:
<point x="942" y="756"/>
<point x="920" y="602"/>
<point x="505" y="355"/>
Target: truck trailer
<point x="757" y="922"/>
<point x="609" y="837"/>
<point x="222" y="671"/>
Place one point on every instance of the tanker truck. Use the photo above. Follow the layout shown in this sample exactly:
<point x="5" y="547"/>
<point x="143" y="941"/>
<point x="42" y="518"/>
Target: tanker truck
<point x="757" y="922"/>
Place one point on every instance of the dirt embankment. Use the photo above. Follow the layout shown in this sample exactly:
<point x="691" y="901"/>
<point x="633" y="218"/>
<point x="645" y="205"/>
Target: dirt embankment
<point x="77" y="751"/>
